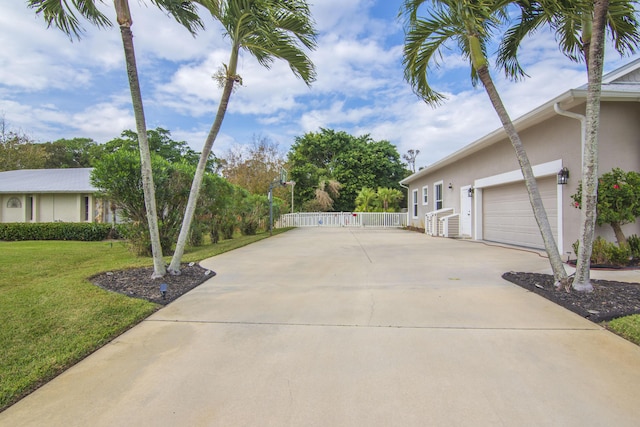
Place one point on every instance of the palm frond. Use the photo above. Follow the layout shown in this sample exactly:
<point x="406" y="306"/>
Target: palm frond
<point x="184" y="12"/>
<point x="467" y="25"/>
<point x="273" y="29"/>
<point x="60" y="14"/>
<point x="622" y="23"/>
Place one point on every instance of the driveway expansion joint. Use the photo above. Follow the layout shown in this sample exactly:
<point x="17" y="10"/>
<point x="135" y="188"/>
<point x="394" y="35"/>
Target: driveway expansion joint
<point x="354" y="325"/>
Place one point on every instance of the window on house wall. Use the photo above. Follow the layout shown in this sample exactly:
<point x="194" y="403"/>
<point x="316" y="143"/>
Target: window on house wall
<point x="425" y="195"/>
<point x="14" y="202"/>
<point x="414" y="201"/>
<point x="30" y="208"/>
<point x="438" y="195"/>
<point x="86" y="208"/>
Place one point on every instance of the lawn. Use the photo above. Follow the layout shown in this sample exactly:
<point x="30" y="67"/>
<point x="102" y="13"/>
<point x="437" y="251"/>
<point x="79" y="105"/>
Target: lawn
<point x="627" y="327"/>
<point x="52" y="316"/>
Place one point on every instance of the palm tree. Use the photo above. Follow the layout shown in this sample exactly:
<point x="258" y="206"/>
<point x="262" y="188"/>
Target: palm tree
<point x="388" y="197"/>
<point x="470" y="24"/>
<point x="59" y="13"/>
<point x="580" y="27"/>
<point x="365" y="198"/>
<point x="268" y="30"/>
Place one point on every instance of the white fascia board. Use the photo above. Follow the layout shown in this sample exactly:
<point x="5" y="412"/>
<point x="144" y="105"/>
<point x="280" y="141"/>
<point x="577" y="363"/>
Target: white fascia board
<point x="543" y="169"/>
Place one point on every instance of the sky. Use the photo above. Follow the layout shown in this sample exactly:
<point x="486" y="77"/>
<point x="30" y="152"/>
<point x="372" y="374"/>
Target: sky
<point x="52" y="87"/>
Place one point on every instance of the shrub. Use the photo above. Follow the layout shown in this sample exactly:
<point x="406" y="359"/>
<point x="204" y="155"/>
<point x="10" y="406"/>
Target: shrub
<point x="607" y="253"/>
<point x="198" y="228"/>
<point x="84" y="232"/>
<point x="634" y="245"/>
<point x="599" y="254"/>
<point x="618" y="255"/>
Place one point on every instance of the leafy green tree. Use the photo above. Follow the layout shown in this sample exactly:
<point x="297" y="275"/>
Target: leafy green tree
<point x="71" y="153"/>
<point x="580" y="27"/>
<point x="354" y="162"/>
<point x="365" y="200"/>
<point x="61" y="14"/>
<point x="618" y="200"/>
<point x="161" y="143"/>
<point x="470" y="25"/>
<point x="215" y="210"/>
<point x="18" y="151"/>
<point x="267" y="30"/>
<point x="254" y="212"/>
<point x="117" y="175"/>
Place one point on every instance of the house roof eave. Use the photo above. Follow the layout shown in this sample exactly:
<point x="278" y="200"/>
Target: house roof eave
<point x="566" y="101"/>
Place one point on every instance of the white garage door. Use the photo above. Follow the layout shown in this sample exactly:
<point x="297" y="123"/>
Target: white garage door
<point x="508" y="217"/>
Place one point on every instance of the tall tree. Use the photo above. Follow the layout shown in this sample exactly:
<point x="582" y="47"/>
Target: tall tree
<point x="61" y="14"/>
<point x="355" y="162"/>
<point x="253" y="166"/>
<point x="410" y="157"/>
<point x="580" y="26"/>
<point x="160" y="142"/>
<point x="118" y="176"/>
<point x="267" y="30"/>
<point x="470" y="25"/>
<point x="71" y="153"/>
<point x="18" y="151"/>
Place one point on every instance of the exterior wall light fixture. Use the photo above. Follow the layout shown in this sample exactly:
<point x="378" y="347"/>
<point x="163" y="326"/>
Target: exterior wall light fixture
<point x="563" y="176"/>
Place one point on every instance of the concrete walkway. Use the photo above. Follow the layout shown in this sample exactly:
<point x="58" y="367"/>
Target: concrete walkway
<point x="353" y="327"/>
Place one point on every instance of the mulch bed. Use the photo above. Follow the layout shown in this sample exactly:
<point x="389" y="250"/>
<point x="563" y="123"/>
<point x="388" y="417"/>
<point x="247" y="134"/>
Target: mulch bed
<point x="137" y="282"/>
<point x="608" y="300"/>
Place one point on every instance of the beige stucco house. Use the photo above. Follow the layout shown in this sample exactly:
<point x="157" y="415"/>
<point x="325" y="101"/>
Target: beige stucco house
<point x="478" y="192"/>
<point x="50" y="195"/>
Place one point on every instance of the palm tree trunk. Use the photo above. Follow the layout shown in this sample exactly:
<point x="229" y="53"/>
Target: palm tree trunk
<point x="539" y="213"/>
<point x="174" y="267"/>
<point x="595" y="57"/>
<point x="125" y="22"/>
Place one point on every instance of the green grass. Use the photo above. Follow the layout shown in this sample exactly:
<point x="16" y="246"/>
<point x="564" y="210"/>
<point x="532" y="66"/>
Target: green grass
<point x="627" y="327"/>
<point x="52" y="316"/>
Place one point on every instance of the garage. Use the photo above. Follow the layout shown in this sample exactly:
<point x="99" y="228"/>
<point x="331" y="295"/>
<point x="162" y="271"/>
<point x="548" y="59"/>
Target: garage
<point x="508" y="217"/>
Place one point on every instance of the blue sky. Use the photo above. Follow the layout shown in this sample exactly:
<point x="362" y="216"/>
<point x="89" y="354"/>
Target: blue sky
<point x="53" y="88"/>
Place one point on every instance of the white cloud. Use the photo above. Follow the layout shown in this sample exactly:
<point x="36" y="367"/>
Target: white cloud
<point x="52" y="88"/>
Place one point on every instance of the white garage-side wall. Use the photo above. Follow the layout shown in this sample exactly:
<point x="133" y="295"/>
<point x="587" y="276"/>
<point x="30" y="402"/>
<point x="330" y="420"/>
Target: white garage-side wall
<point x="551" y="143"/>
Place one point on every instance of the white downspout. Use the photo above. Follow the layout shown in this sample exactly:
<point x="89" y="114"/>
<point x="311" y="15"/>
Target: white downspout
<point x="583" y="127"/>
<point x="583" y="132"/>
<point x="408" y="210"/>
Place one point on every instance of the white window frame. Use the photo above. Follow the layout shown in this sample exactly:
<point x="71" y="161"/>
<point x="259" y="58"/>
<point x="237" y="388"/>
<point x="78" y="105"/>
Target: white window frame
<point x="435" y="195"/>
<point x="414" y="203"/>
<point x="425" y="195"/>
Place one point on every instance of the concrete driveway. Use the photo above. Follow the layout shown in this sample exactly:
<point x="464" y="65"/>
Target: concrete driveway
<point x="353" y="327"/>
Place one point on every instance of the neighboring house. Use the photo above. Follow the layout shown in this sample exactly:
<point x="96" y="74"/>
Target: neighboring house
<point x="50" y="195"/>
<point x="478" y="192"/>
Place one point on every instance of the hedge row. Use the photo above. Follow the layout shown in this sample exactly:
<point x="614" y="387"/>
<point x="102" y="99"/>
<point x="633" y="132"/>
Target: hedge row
<point x="85" y="232"/>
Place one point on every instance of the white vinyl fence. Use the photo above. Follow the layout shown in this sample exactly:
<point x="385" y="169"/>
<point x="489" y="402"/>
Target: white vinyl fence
<point x="343" y="219"/>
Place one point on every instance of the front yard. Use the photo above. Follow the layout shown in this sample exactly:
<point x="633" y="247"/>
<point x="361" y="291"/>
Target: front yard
<point x="52" y="316"/>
